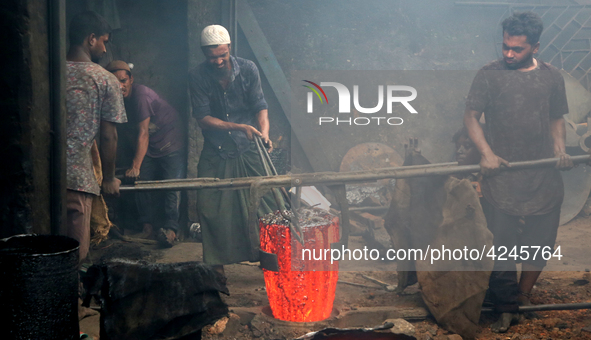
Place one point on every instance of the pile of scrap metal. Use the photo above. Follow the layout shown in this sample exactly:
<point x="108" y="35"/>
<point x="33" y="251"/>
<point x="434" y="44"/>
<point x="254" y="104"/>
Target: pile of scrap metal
<point x="433" y="212"/>
<point x="141" y="300"/>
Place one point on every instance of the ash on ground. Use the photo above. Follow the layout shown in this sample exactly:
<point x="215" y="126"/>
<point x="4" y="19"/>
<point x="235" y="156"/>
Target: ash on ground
<point x="131" y="251"/>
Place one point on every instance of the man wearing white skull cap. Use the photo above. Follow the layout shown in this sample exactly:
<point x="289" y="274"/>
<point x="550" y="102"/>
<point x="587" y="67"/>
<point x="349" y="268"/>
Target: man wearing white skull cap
<point x="214" y="35"/>
<point x="229" y="105"/>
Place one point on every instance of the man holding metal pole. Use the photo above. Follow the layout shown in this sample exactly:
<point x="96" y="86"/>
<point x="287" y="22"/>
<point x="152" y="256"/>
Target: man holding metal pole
<point x="230" y="107"/>
<point x="94" y="106"/>
<point x="523" y="100"/>
<point x="159" y="153"/>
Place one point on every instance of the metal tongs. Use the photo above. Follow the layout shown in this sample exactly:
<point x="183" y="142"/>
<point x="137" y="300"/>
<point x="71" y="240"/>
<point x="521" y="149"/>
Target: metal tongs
<point x="293" y="222"/>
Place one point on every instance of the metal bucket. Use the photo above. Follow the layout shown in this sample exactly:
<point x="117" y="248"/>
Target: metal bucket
<point x="39" y="290"/>
<point x="302" y="290"/>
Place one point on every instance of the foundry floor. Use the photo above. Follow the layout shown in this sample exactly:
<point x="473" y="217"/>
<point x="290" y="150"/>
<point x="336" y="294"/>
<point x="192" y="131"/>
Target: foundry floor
<point x="246" y="285"/>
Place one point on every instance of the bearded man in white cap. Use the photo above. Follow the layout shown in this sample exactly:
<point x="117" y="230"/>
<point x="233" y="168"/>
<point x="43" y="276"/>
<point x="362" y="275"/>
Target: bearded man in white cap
<point x="231" y="110"/>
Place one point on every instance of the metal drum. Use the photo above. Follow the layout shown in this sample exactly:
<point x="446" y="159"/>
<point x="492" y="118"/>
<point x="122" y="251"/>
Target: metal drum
<point x="39" y="291"/>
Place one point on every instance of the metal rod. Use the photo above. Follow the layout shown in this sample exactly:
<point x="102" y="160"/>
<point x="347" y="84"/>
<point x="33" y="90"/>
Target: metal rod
<point x="329" y="178"/>
<point x="292" y="223"/>
<point x="537" y="308"/>
<point x="265" y="154"/>
<point x="298" y="197"/>
<point x="258" y="142"/>
<point x="506" y="4"/>
<point x="267" y="163"/>
<point x="359" y="285"/>
<point x="209" y="179"/>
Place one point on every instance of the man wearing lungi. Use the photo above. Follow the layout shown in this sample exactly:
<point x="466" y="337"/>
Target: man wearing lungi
<point x="231" y="110"/>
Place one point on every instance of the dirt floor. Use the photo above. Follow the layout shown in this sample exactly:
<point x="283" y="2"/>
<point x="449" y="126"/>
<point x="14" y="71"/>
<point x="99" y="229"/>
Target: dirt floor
<point x="248" y="295"/>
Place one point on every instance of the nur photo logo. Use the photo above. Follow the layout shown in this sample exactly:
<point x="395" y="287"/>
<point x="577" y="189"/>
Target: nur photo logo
<point x="390" y="94"/>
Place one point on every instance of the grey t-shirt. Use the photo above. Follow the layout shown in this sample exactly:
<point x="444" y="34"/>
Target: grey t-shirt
<point x="518" y="108"/>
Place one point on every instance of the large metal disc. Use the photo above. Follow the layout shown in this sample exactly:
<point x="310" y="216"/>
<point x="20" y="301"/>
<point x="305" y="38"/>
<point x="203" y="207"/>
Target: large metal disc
<point x="577" y="186"/>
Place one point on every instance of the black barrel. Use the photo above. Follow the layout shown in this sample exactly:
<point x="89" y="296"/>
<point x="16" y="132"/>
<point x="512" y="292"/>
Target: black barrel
<point x="39" y="288"/>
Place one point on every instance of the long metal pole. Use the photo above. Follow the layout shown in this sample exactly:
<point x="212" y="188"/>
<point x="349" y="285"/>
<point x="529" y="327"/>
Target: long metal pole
<point x="331" y="178"/>
<point x="538" y="308"/>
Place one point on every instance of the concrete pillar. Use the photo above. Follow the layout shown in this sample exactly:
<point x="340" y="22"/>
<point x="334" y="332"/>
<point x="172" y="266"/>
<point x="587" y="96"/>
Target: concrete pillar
<point x="25" y="120"/>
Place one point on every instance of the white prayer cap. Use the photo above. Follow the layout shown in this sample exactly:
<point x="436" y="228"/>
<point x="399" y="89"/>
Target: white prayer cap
<point x="214" y="35"/>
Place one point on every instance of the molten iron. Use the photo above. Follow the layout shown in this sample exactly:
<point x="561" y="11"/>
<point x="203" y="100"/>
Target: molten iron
<point x="302" y="291"/>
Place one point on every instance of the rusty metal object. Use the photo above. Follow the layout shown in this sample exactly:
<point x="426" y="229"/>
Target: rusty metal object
<point x="367" y="156"/>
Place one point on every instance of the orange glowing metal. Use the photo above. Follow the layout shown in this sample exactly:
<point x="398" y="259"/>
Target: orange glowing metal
<point x="302" y="291"/>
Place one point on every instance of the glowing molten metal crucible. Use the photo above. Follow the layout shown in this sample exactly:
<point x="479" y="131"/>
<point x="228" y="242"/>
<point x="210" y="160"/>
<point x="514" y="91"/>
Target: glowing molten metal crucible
<point x="302" y="290"/>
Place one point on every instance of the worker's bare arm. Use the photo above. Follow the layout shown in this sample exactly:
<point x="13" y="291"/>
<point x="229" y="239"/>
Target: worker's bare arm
<point x="108" y="151"/>
<point x="212" y="123"/>
<point x="143" y="140"/>
<point x="558" y="131"/>
<point x="489" y="163"/>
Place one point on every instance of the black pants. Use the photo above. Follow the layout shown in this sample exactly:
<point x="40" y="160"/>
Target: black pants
<point x="516" y="231"/>
<point x="171" y="166"/>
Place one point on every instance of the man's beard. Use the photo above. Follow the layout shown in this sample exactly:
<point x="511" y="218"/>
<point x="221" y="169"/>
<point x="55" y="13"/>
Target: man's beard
<point x="526" y="62"/>
<point x="221" y="73"/>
